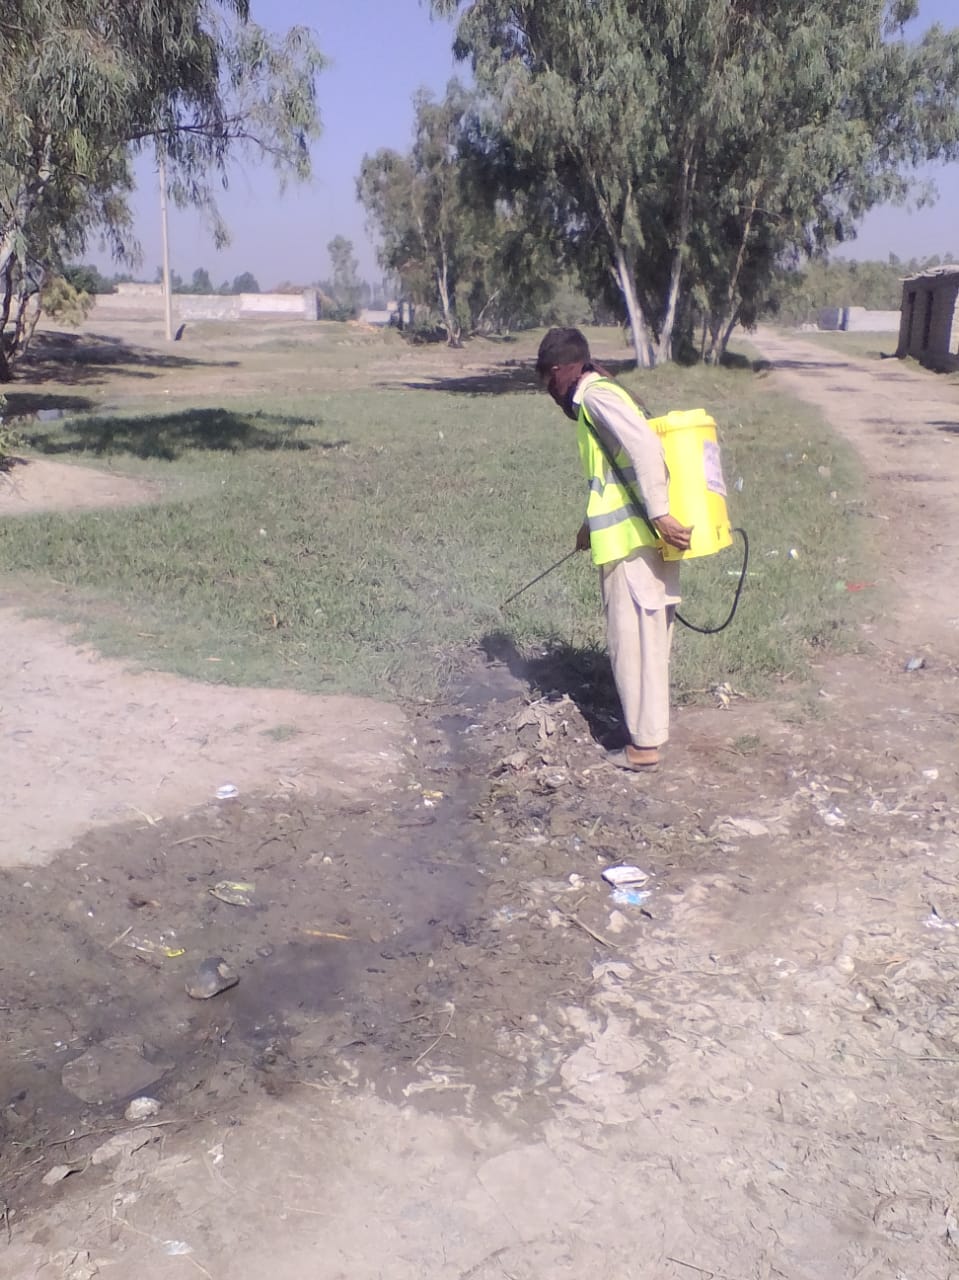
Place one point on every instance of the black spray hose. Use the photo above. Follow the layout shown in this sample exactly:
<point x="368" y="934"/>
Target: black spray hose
<point x="714" y="631"/>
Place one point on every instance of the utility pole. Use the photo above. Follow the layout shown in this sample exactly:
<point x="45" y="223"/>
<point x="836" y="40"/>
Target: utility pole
<point x="165" y="232"/>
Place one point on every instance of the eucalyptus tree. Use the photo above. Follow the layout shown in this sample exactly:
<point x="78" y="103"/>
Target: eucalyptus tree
<point x="86" y="85"/>
<point x="417" y="205"/>
<point x="701" y="143"/>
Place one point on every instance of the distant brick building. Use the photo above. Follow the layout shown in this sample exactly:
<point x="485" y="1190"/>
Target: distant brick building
<point x="929" y="330"/>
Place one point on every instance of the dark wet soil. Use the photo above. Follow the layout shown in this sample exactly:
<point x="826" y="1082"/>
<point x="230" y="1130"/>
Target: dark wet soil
<point x="375" y="932"/>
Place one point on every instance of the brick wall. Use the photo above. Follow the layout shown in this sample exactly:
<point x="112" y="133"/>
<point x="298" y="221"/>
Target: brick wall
<point x="930" y="324"/>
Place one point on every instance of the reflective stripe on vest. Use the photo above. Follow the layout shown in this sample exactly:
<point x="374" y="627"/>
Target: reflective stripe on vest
<point x="617" y="527"/>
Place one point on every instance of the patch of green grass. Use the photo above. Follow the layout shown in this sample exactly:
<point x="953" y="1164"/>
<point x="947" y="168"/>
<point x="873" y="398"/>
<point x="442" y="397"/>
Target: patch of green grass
<point x="362" y="539"/>
<point x="281" y="732"/>
<point x="859" y="346"/>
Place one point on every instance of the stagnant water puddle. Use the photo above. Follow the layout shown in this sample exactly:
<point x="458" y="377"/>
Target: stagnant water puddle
<point x="338" y="957"/>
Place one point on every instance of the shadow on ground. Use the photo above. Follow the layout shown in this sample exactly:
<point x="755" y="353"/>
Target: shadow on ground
<point x="168" y="436"/>
<point x="766" y="366"/>
<point x="584" y="675"/>
<point x="951" y="428"/>
<point x="513" y="377"/>
<point x="25" y="404"/>
<point x="73" y="359"/>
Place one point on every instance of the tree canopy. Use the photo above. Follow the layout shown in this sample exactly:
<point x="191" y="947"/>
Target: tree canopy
<point x="85" y="85"/>
<point x="687" y="149"/>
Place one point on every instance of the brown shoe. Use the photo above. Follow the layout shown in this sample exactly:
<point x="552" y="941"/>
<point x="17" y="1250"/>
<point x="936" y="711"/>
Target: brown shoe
<point x="635" y="759"/>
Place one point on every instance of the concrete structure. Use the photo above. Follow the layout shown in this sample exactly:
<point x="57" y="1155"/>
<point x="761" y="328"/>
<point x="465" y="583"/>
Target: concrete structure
<point x="930" y="318"/>
<point x="859" y="320"/>
<point x="146" y="300"/>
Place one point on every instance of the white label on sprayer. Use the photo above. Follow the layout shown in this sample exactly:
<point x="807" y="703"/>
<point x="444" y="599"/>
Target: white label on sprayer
<point x="713" y="466"/>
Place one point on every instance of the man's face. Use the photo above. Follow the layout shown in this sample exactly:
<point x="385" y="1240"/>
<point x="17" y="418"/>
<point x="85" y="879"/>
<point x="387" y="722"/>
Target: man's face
<point x="561" y="381"/>
<point x="548" y="381"/>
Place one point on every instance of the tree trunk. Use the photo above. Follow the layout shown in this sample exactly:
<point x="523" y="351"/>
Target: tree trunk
<point x="664" y="349"/>
<point x="643" y="347"/>
<point x="449" y="321"/>
<point x="728" y="332"/>
<point x="723" y="329"/>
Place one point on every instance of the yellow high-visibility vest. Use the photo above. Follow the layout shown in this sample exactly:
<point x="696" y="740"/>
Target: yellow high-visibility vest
<point x="617" y="524"/>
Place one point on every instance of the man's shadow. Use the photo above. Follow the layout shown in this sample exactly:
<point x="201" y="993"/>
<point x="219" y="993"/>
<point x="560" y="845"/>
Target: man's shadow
<point x="582" y="674"/>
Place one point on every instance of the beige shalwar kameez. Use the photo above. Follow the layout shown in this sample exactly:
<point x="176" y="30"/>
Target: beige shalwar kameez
<point x="640" y="593"/>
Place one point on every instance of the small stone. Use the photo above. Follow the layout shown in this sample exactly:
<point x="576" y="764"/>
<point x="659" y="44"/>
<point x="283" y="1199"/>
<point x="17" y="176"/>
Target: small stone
<point x="142" y="1109"/>
<point x="211" y="977"/>
<point x="58" y="1173"/>
<point x="113" y="1069"/>
<point x="264" y="952"/>
<point x="617" y="922"/>
<point x="915" y="664"/>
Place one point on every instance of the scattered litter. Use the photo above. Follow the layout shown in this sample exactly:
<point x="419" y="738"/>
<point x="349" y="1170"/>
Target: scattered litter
<point x="724" y="694"/>
<point x="621" y="876"/>
<point x="322" y="933"/>
<point x="738" y="484"/>
<point x="740" y="827"/>
<point x="142" y="1109"/>
<point x="833" y="818"/>
<point x="176" y="1248"/>
<point x="935" y="921"/>
<point x="543" y="714"/>
<point x="238" y="893"/>
<point x="212" y="977"/>
<point x="148" y="947"/>
<point x="431" y="798"/>
<point x="265" y="951"/>
<point x="631" y="897"/>
<point x="216" y="1153"/>
<point x="793" y="553"/>
<point x="915" y="664"/>
<point x="58" y="1173"/>
<point x="931" y="774"/>
<point x="227" y="792"/>
<point x="576" y="880"/>
<point x="859" y="586"/>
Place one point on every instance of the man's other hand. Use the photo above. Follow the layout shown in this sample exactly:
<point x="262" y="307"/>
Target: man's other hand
<point x="673" y="533"/>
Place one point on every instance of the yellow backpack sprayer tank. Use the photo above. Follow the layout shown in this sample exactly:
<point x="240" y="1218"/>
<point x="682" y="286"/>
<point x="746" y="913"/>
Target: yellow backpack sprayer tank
<point x="697" y="497"/>
<point x="697" y="492"/>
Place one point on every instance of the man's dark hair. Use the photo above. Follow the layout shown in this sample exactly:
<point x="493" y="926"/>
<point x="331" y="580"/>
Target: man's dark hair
<point x="561" y="346"/>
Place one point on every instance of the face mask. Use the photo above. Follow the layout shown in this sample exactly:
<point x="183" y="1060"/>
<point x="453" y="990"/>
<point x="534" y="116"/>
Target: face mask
<point x="569" y="407"/>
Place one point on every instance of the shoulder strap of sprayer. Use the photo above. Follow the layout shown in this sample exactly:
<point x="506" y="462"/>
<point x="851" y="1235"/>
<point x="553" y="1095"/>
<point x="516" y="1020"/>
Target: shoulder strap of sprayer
<point x="617" y="470"/>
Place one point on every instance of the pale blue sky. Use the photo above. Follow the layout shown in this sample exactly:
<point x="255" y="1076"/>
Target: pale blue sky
<point x="381" y="52"/>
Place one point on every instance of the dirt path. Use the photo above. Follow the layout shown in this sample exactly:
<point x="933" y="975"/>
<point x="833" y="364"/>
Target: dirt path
<point x="473" y="1064"/>
<point x="43" y="485"/>
<point x="905" y="425"/>
<point x="90" y="745"/>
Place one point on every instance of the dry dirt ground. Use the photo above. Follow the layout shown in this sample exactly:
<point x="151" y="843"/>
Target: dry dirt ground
<point x="450" y="1053"/>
